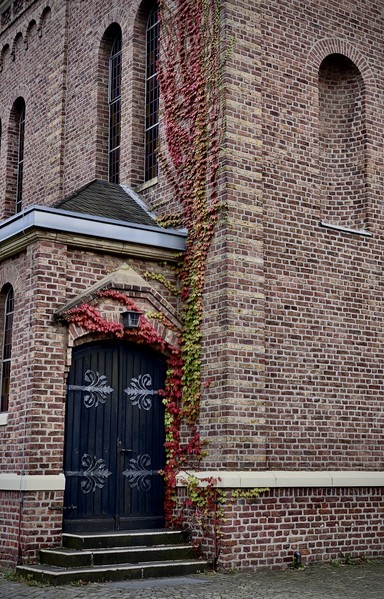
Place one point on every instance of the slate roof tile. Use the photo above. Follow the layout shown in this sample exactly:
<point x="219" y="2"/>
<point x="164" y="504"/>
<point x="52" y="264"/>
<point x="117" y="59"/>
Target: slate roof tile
<point x="107" y="200"/>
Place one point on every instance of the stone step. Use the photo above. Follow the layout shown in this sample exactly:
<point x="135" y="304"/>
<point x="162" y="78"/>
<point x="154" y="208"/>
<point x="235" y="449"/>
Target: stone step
<point x="57" y="576"/>
<point x="122" y="539"/>
<point x="72" y="558"/>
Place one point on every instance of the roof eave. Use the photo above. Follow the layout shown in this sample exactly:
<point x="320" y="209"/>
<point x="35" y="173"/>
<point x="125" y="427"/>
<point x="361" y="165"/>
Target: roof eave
<point x="54" y="219"/>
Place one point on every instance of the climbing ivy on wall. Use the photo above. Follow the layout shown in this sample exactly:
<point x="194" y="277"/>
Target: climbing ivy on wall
<point x="190" y="69"/>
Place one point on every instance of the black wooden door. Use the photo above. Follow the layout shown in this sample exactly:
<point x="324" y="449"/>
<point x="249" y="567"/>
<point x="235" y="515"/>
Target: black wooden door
<point x="114" y="439"/>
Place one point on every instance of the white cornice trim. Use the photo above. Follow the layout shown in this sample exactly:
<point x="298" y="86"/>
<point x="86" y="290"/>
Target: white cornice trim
<point x="236" y="479"/>
<point x="54" y="219"/>
<point x="31" y="482"/>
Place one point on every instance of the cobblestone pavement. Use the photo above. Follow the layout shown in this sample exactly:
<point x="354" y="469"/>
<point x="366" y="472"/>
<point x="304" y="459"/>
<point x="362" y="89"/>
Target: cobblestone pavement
<point x="363" y="581"/>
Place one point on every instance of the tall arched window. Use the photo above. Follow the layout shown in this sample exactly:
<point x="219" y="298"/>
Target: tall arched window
<point x="8" y="308"/>
<point x="151" y="95"/>
<point x="15" y="159"/>
<point x="114" y="104"/>
<point x="20" y="159"/>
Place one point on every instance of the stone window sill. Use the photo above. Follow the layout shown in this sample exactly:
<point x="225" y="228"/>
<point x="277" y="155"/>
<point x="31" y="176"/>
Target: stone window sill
<point x="361" y="232"/>
<point x="147" y="184"/>
<point x="3" y="418"/>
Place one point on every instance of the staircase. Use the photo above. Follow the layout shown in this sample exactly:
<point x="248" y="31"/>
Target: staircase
<point x="115" y="556"/>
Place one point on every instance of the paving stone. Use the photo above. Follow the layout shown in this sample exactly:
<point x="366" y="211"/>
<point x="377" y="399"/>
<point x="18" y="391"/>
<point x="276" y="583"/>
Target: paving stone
<point x="363" y="581"/>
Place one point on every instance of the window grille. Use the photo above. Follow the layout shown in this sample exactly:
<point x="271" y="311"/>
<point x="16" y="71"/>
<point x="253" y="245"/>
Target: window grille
<point x="114" y="111"/>
<point x="20" y="160"/>
<point x="151" y="96"/>
<point x="17" y="6"/>
<point x="6" y="16"/>
<point x="7" y="350"/>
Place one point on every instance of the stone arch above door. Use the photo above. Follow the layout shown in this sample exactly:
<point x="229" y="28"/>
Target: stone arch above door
<point x="158" y="311"/>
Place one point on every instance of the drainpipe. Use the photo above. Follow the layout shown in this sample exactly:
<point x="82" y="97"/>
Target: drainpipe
<point x="215" y="524"/>
<point x="19" y="547"/>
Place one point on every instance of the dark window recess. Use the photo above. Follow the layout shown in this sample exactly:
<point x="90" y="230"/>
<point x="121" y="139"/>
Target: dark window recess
<point x="7" y="351"/>
<point x="114" y="111"/>
<point x="20" y="160"/>
<point x="151" y="96"/>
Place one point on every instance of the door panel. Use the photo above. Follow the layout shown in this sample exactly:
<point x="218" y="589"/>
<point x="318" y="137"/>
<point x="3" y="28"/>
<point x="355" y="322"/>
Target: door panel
<point x="114" y="443"/>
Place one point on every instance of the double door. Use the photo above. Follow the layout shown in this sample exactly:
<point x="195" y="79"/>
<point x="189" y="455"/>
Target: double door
<point x="114" y="438"/>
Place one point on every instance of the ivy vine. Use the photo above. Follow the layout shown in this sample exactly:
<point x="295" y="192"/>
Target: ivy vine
<point x="190" y="77"/>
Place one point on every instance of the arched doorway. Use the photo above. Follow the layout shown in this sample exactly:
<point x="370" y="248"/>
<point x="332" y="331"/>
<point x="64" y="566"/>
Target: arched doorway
<point x="114" y="438"/>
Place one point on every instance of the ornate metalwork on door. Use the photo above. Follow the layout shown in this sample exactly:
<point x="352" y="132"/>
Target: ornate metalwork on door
<point x="96" y="391"/>
<point x="95" y="473"/>
<point x="140" y="391"/>
<point x="139" y="473"/>
<point x="113" y="453"/>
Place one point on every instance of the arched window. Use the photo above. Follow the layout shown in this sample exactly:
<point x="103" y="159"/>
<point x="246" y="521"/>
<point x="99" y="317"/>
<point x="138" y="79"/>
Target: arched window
<point x="20" y="159"/>
<point x="151" y="95"/>
<point x="8" y="308"/>
<point x="15" y="159"/>
<point x="114" y="105"/>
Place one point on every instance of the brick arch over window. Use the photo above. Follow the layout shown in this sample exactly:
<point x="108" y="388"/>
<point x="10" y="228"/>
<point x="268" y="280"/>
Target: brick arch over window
<point x="30" y="32"/>
<point x="17" y="45"/>
<point x="327" y="46"/>
<point x="342" y="143"/>
<point x="4" y="55"/>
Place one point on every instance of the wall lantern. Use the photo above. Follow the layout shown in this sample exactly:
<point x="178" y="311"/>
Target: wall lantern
<point x="131" y="319"/>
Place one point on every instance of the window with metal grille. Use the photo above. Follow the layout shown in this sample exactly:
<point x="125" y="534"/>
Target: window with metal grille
<point x="6" y="350"/>
<point x="114" y="102"/>
<point x="20" y="159"/>
<point x="151" y="95"/>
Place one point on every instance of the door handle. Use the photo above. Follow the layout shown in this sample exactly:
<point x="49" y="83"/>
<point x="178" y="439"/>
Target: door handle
<point x="123" y="449"/>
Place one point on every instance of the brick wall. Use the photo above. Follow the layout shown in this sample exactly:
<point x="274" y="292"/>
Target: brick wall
<point x="264" y="532"/>
<point x="85" y="269"/>
<point x="293" y="328"/>
<point x="232" y="416"/>
<point x="323" y="321"/>
<point x="9" y="527"/>
<point x="29" y="521"/>
<point x="293" y="318"/>
<point x="323" y="524"/>
<point x="13" y="434"/>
